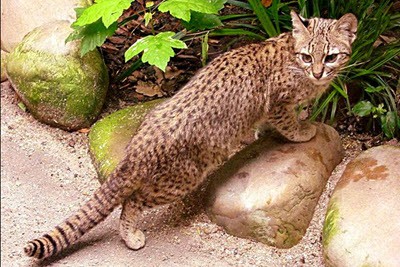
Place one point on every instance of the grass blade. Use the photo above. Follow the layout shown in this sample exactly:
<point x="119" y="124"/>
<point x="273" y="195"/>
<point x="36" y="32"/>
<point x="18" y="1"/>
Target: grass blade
<point x="263" y="17"/>
<point x="239" y="4"/>
<point x="323" y="106"/>
<point x="204" y="49"/>
<point x="226" y="32"/>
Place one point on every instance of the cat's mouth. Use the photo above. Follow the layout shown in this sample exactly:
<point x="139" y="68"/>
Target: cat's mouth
<point x="321" y="79"/>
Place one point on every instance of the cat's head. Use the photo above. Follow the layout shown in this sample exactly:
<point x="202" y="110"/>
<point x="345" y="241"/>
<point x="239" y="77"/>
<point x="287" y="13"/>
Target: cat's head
<point x="323" y="46"/>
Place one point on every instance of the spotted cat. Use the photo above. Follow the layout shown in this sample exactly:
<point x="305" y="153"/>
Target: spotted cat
<point x="185" y="138"/>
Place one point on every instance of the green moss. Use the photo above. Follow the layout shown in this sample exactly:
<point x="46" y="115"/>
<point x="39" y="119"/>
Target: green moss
<point x="85" y="3"/>
<point x="331" y="227"/>
<point x="3" y="65"/>
<point x="285" y="236"/>
<point x="58" y="87"/>
<point x="109" y="136"/>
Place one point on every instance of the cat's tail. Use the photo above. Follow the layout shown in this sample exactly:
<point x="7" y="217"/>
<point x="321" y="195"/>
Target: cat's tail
<point x="96" y="209"/>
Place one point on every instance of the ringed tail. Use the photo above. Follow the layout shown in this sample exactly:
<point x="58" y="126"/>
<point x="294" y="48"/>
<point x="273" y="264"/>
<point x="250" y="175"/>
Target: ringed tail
<point x="102" y="203"/>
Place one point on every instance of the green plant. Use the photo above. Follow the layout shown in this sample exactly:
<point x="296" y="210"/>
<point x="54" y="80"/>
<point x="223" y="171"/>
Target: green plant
<point x="200" y="18"/>
<point x="95" y="23"/>
<point x="157" y="49"/>
<point x="373" y="68"/>
<point x="387" y="119"/>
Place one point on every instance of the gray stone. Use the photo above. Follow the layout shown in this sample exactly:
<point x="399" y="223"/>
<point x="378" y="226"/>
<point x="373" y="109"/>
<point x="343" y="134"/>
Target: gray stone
<point x="19" y="17"/>
<point x="362" y="224"/>
<point x="109" y="136"/>
<point x="58" y="86"/>
<point x="268" y="191"/>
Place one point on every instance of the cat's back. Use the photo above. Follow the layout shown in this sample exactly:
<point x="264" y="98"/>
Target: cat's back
<point x="222" y="98"/>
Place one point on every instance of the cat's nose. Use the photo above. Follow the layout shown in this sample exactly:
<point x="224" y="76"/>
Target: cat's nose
<point x="317" y="75"/>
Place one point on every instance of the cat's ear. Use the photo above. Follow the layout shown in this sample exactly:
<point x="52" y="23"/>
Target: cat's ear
<point x="347" y="26"/>
<point x="299" y="29"/>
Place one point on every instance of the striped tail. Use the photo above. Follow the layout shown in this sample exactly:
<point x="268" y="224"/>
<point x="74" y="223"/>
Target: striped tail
<point x="95" y="210"/>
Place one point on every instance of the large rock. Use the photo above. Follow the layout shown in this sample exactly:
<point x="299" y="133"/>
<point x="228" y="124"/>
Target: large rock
<point x="362" y="224"/>
<point x="109" y="136"/>
<point x="19" y="17"/>
<point x="58" y="86"/>
<point x="268" y="191"/>
<point x="3" y="65"/>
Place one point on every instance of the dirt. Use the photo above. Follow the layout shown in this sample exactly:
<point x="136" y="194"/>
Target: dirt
<point x="47" y="173"/>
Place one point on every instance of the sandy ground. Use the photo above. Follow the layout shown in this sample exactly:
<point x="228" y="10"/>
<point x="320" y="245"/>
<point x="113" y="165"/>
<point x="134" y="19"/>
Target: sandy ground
<point x="46" y="173"/>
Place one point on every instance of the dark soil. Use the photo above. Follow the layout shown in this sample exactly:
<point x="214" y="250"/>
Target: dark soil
<point x="147" y="82"/>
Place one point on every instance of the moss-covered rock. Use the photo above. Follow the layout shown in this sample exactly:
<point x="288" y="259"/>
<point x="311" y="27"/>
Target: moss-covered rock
<point x="58" y="86"/>
<point x="109" y="136"/>
<point x="363" y="216"/>
<point x="3" y="65"/>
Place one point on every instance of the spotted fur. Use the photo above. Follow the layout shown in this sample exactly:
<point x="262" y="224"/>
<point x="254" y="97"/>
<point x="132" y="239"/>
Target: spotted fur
<point x="185" y="138"/>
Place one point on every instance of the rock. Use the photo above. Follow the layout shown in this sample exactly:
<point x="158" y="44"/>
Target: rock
<point x="268" y="191"/>
<point x="3" y="65"/>
<point x="58" y="86"/>
<point x="109" y="137"/>
<point x="19" y="17"/>
<point x="362" y="223"/>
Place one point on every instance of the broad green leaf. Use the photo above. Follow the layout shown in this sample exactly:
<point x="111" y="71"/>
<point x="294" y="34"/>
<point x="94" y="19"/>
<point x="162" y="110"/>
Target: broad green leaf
<point x="149" y="4"/>
<point x="363" y="108"/>
<point x="92" y="35"/>
<point x="108" y="10"/>
<point x="181" y="8"/>
<point x="147" y="17"/>
<point x="157" y="49"/>
<point x="390" y="124"/>
<point x="201" y="21"/>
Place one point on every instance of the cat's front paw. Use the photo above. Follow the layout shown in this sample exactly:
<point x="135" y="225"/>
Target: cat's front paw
<point x="263" y="130"/>
<point x="306" y="132"/>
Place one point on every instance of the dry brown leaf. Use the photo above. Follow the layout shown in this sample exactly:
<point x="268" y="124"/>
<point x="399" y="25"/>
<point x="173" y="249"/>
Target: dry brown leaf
<point x="159" y="75"/>
<point x="172" y="73"/>
<point x="148" y="89"/>
<point x="135" y="76"/>
<point x="84" y="130"/>
<point x="266" y="3"/>
<point x="213" y="41"/>
<point x="384" y="39"/>
<point x="388" y="39"/>
<point x="117" y="39"/>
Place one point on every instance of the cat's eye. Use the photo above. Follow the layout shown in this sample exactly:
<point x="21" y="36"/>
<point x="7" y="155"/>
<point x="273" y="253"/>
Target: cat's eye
<point x="306" y="58"/>
<point x="331" y="58"/>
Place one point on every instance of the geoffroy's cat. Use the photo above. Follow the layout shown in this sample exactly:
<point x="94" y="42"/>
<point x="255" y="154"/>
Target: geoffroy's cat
<point x="185" y="138"/>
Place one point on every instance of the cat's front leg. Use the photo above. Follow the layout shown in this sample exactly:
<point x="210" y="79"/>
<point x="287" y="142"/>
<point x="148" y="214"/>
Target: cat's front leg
<point x="285" y="121"/>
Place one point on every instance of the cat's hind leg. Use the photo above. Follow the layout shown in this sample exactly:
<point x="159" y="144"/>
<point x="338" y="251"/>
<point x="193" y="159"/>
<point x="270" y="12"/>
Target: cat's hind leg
<point x="133" y="237"/>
